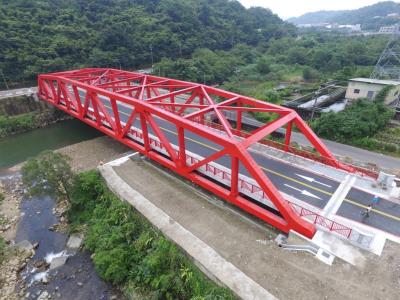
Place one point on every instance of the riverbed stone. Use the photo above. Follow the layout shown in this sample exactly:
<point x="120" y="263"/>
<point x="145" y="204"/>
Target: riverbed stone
<point x="24" y="245"/>
<point x="58" y="262"/>
<point x="44" y="296"/>
<point x="75" y="241"/>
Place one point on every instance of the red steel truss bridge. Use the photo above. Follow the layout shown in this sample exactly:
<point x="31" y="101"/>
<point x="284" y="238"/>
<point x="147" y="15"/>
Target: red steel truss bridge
<point x="183" y="126"/>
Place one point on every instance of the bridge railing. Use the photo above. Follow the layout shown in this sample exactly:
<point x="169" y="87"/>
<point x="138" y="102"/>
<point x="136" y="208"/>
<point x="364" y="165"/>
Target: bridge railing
<point x="300" y="152"/>
<point x="251" y="189"/>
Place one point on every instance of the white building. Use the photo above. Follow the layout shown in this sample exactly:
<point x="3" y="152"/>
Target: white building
<point x="388" y="29"/>
<point x="369" y="88"/>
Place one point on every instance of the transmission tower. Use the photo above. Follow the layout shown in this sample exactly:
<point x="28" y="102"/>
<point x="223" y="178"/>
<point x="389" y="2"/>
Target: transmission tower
<point x="388" y="65"/>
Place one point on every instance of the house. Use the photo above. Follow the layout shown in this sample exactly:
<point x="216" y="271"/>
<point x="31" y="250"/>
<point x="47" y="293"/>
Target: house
<point x="369" y="88"/>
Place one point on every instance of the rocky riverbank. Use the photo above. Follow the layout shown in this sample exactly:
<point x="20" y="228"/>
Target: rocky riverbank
<point x="35" y="233"/>
<point x="15" y="258"/>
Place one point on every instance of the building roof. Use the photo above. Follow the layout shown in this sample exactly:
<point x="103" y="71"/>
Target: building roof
<point x="376" y="81"/>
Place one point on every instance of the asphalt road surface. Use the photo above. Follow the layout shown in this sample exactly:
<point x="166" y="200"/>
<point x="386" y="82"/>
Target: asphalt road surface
<point x="18" y="92"/>
<point x="288" y="179"/>
<point x="338" y="149"/>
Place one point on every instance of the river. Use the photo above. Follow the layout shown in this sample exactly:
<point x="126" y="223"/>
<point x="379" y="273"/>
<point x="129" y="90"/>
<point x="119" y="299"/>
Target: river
<point x="76" y="279"/>
<point x="17" y="148"/>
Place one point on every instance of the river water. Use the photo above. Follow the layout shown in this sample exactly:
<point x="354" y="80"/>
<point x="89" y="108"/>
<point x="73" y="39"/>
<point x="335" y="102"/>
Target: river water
<point x="77" y="279"/>
<point x="18" y="148"/>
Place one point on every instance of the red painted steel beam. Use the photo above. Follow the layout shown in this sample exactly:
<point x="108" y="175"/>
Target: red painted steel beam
<point x="103" y="109"/>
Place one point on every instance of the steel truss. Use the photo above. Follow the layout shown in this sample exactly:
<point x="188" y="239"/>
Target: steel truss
<point x="96" y="97"/>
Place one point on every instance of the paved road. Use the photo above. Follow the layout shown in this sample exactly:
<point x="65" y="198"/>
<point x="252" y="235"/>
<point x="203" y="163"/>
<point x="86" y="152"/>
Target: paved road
<point x="357" y="154"/>
<point x="385" y="216"/>
<point x="18" y="92"/>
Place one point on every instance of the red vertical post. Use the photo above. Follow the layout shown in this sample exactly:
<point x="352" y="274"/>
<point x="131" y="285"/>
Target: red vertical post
<point x="172" y="100"/>
<point x="239" y="120"/>
<point x="234" y="176"/>
<point x="202" y="116"/>
<point x="116" y="116"/>
<point x="182" y="147"/>
<point x="145" y="132"/>
<point x="288" y="136"/>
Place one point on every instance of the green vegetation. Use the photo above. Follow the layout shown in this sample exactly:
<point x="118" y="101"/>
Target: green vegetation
<point x="354" y="125"/>
<point x="129" y="251"/>
<point x="385" y="141"/>
<point x="10" y="125"/>
<point x="45" y="35"/>
<point x="48" y="174"/>
<point x="16" y="124"/>
<point x="252" y="71"/>
<point x="3" y="249"/>
<point x="1" y="198"/>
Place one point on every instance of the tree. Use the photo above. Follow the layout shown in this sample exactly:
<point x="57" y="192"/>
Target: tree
<point x="309" y="74"/>
<point x="263" y="66"/>
<point x="363" y="118"/>
<point x="48" y="174"/>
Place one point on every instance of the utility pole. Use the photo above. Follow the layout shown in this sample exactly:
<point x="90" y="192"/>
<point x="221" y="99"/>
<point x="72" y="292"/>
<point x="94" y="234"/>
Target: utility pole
<point x="152" y="58"/>
<point x="180" y="49"/>
<point x="315" y="103"/>
<point x="388" y="65"/>
<point x="4" y="79"/>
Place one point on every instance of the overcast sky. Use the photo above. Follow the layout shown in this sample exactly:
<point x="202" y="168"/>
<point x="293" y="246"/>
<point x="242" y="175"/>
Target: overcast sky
<point x="294" y="8"/>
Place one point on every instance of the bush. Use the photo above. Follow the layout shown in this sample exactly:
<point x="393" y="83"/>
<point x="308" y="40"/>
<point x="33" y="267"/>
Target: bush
<point x="362" y="119"/>
<point x="129" y="251"/>
<point x="12" y="125"/>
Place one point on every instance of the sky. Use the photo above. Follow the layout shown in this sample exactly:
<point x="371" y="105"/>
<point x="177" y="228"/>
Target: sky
<point x="294" y="8"/>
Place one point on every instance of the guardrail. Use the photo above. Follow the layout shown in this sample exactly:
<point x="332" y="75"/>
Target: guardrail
<point x="246" y="187"/>
<point x="300" y="152"/>
<point x="249" y="187"/>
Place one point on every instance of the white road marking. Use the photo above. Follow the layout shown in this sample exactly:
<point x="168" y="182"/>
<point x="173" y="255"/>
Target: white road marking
<point x="310" y="179"/>
<point x="303" y="192"/>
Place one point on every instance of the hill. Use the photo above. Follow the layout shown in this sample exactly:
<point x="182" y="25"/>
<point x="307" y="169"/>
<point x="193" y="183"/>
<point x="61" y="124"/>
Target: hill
<point x="47" y="35"/>
<point x="370" y="17"/>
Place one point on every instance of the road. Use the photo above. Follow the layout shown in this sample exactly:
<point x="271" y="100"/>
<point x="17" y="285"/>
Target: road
<point x="338" y="149"/>
<point x="288" y="179"/>
<point x="18" y="92"/>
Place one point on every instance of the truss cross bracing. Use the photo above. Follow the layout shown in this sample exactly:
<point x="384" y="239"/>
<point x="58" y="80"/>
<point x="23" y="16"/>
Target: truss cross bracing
<point x="144" y="112"/>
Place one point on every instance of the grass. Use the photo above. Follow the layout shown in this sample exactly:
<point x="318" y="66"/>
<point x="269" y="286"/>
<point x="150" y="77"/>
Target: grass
<point x="3" y="249"/>
<point x="130" y="252"/>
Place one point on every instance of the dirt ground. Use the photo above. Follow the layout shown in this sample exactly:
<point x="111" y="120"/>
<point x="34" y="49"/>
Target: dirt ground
<point x="89" y="154"/>
<point x="251" y="248"/>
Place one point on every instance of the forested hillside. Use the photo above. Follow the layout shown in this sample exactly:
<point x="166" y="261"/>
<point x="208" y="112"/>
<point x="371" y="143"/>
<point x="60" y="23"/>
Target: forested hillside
<point x="46" y="35"/>
<point x="370" y="17"/>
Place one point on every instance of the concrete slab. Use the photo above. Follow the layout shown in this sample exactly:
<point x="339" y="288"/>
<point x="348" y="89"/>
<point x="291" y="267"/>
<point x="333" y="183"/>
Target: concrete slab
<point x="332" y="244"/>
<point x="338" y="197"/>
<point x="24" y="245"/>
<point x="58" y="262"/>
